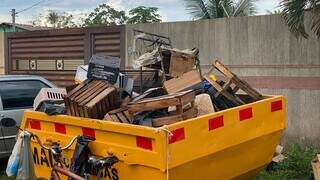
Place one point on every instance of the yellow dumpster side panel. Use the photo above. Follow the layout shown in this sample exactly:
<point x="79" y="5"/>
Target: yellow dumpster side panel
<point x="199" y="141"/>
<point x="231" y="163"/>
<point x="234" y="143"/>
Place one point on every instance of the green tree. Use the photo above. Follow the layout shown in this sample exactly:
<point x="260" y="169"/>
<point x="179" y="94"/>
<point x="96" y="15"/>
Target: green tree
<point x="55" y="19"/>
<point x="210" y="9"/>
<point x="142" y="14"/>
<point x="277" y="11"/>
<point x="294" y="13"/>
<point x="105" y="15"/>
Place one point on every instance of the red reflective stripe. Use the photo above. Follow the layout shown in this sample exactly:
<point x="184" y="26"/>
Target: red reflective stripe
<point x="177" y="135"/>
<point x="88" y="132"/>
<point x="215" y="123"/>
<point x="34" y="124"/>
<point x="60" y="128"/>
<point x="144" y="142"/>
<point x="276" y="106"/>
<point x="245" y="114"/>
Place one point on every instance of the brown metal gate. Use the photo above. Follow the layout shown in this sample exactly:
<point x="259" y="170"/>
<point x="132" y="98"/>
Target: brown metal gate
<point x="55" y="54"/>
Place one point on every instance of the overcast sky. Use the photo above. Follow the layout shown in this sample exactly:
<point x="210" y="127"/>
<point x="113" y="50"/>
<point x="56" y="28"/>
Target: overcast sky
<point x="170" y="10"/>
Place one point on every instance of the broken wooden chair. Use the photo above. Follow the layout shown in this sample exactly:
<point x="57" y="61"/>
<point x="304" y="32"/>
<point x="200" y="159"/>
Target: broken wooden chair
<point x="231" y="79"/>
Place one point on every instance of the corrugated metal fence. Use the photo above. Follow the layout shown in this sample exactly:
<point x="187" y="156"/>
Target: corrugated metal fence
<point x="55" y="54"/>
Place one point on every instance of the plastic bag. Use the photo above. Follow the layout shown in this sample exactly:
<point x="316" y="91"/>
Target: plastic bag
<point x="13" y="162"/>
<point x="26" y="164"/>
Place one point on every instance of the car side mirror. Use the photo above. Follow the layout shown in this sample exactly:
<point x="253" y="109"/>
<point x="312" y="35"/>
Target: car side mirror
<point x="8" y="122"/>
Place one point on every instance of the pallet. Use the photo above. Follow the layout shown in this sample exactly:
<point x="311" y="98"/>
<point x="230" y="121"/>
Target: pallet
<point x="231" y="79"/>
<point x="179" y="100"/>
<point x="92" y="99"/>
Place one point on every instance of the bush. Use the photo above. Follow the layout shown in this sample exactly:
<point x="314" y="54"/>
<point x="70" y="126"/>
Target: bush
<point x="296" y="165"/>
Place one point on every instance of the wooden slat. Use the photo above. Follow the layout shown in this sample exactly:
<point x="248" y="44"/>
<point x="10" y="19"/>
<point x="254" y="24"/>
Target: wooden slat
<point x="52" y="49"/>
<point x="107" y="48"/>
<point x="107" y="36"/>
<point x="166" y="120"/>
<point x="45" y="39"/>
<point x="116" y="54"/>
<point x="48" y="55"/>
<point x="102" y="95"/>
<point x="48" y="44"/>
<point x="186" y="80"/>
<point x="107" y="42"/>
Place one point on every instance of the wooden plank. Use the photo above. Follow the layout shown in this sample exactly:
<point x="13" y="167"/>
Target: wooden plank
<point x="153" y="105"/>
<point x="93" y="93"/>
<point x="99" y="97"/>
<point x="190" y="113"/>
<point x="248" y="89"/>
<point x="180" y="63"/>
<point x="184" y="81"/>
<point x="278" y="158"/>
<point x="187" y="98"/>
<point x="115" y="118"/>
<point x="76" y="89"/>
<point x="108" y="117"/>
<point x="122" y="117"/>
<point x="90" y="88"/>
<point x="223" y="69"/>
<point x="166" y="120"/>
<point x="316" y="170"/>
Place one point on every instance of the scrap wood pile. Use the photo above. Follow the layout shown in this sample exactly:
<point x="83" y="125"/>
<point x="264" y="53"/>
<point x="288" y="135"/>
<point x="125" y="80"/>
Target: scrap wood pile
<point x="107" y="94"/>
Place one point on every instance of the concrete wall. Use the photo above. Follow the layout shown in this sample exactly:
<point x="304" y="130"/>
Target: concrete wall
<point x="262" y="51"/>
<point x="1" y="53"/>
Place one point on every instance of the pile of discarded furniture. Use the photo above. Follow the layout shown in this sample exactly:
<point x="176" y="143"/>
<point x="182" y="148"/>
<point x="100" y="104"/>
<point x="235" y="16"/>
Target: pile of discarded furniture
<point x="179" y="90"/>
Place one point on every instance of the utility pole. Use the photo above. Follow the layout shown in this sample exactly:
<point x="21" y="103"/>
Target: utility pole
<point x="13" y="14"/>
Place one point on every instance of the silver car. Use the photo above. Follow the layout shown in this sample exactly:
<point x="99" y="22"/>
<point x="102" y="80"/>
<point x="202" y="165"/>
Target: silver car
<point x="17" y="93"/>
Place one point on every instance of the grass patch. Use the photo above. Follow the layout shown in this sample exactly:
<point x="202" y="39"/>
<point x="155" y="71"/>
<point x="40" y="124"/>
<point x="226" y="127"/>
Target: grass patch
<point x="296" y="165"/>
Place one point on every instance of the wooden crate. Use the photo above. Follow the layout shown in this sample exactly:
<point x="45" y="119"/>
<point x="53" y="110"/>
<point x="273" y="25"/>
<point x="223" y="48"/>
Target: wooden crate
<point x="92" y="99"/>
<point x="181" y="63"/>
<point x="121" y="115"/>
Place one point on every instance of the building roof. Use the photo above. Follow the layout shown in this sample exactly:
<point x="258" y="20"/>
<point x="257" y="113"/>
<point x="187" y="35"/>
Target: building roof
<point x="26" y="26"/>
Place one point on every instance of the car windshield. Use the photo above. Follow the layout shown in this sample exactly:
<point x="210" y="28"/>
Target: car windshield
<point x="19" y="94"/>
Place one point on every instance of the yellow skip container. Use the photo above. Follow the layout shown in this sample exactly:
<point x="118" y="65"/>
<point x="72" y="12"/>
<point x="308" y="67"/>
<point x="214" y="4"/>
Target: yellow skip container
<point x="232" y="144"/>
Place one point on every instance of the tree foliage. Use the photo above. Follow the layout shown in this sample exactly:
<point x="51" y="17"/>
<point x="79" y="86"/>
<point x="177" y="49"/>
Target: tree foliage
<point x="294" y="13"/>
<point x="55" y="19"/>
<point x="210" y="9"/>
<point x="142" y="14"/>
<point x="105" y="15"/>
